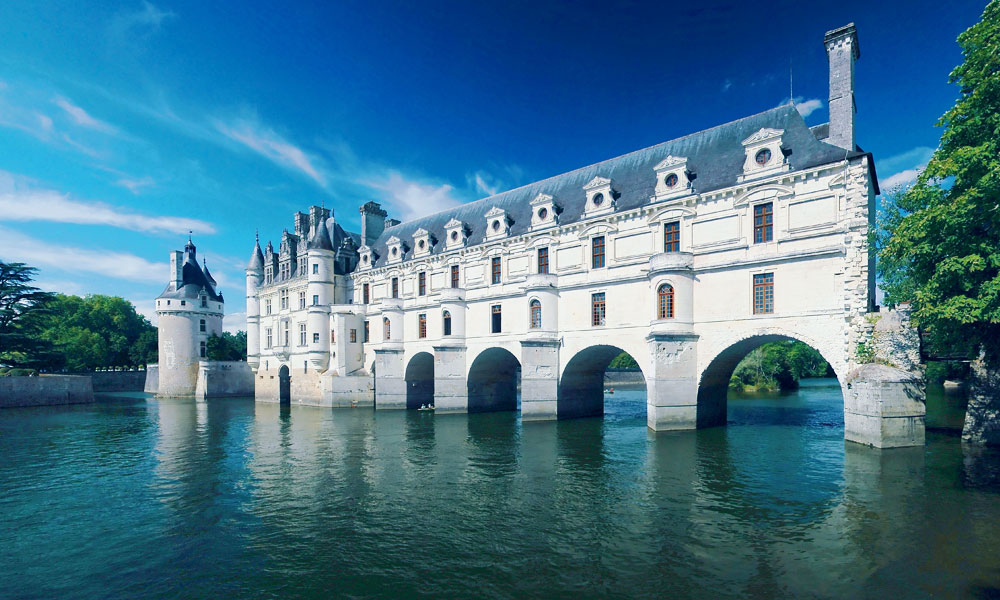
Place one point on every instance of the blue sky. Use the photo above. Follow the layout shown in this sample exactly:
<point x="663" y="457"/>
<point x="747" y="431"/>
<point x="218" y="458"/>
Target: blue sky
<point x="124" y="125"/>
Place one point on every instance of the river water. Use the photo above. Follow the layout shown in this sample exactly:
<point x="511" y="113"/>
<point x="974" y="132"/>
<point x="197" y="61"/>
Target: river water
<point x="137" y="497"/>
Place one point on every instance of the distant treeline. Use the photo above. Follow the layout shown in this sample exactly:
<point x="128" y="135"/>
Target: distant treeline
<point x="778" y="366"/>
<point x="58" y="332"/>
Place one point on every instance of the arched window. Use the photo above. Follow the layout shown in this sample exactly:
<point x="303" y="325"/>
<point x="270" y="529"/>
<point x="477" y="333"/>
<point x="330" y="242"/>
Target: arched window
<point x="446" y="321"/>
<point x="385" y="326"/>
<point x="536" y="314"/>
<point x="665" y="297"/>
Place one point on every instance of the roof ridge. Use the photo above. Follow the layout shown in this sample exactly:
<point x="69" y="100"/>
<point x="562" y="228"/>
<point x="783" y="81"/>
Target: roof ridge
<point x="613" y="158"/>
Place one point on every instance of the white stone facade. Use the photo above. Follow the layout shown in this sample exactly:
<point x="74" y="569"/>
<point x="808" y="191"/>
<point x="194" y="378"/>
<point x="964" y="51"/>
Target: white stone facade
<point x="555" y="279"/>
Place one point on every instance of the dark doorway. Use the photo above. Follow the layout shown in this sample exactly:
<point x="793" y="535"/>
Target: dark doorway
<point x="284" y="385"/>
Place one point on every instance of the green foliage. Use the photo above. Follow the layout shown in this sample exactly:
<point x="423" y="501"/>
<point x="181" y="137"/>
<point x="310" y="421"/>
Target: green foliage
<point x="98" y="331"/>
<point x="228" y="346"/>
<point x="5" y="372"/>
<point x="865" y="352"/>
<point x="21" y="308"/>
<point x="938" y="371"/>
<point x="624" y="361"/>
<point x="940" y="243"/>
<point x="778" y="365"/>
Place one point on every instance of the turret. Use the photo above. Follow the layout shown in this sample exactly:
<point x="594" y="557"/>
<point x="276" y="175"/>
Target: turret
<point x="320" y="289"/>
<point x="255" y="277"/>
<point x="188" y="312"/>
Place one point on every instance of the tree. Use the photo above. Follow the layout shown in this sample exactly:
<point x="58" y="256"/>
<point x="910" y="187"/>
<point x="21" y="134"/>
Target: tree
<point x="942" y="252"/>
<point x="21" y="308"/>
<point x="98" y="331"/>
<point x="228" y="346"/>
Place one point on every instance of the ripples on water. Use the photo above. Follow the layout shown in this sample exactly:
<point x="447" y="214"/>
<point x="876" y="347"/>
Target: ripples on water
<point x="170" y="498"/>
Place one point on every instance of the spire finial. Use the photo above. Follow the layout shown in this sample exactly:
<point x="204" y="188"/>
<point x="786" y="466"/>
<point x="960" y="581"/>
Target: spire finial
<point x="189" y="235"/>
<point x="256" y="235"/>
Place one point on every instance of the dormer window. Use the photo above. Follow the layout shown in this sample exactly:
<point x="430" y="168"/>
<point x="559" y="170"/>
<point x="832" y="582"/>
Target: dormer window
<point x="367" y="257"/>
<point x="764" y="154"/>
<point x="672" y="178"/>
<point x="600" y="196"/>
<point x="456" y="233"/>
<point x="497" y="224"/>
<point x="544" y="212"/>
<point x="422" y="242"/>
<point x="396" y="249"/>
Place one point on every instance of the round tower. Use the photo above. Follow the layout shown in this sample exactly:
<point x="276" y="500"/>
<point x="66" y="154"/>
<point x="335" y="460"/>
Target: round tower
<point x="255" y="276"/>
<point x="319" y="292"/>
<point x="188" y="312"/>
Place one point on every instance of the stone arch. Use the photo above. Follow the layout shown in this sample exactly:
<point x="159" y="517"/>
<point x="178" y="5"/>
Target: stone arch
<point x="581" y="387"/>
<point x="714" y="373"/>
<point x="419" y="378"/>
<point x="493" y="381"/>
<point x="284" y="385"/>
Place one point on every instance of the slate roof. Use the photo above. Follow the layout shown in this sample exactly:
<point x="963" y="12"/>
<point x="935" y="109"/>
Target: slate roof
<point x="193" y="279"/>
<point x="715" y="156"/>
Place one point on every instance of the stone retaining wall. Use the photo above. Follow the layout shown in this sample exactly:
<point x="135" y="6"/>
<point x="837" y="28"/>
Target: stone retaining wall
<point x="45" y="390"/>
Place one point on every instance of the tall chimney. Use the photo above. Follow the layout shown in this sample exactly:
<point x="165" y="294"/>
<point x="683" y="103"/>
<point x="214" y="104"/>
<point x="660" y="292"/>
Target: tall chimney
<point x="842" y="50"/>
<point x="176" y="269"/>
<point x="372" y="222"/>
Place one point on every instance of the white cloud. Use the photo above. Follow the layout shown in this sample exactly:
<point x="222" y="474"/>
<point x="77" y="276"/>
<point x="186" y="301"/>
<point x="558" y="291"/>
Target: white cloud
<point x="19" y="201"/>
<point x="808" y="107"/>
<point x="728" y="83"/>
<point x="15" y="246"/>
<point x="482" y="187"/>
<point x="135" y="185"/>
<point x="903" y="179"/>
<point x="410" y="199"/>
<point x="805" y="107"/>
<point x="45" y="121"/>
<point x="905" y="167"/>
<point x="269" y="144"/>
<point x="82" y="117"/>
<point x="234" y="322"/>
<point x="148" y="18"/>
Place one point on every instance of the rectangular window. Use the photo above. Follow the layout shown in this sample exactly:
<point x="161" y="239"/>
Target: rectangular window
<point x="269" y="340"/>
<point x="495" y="323"/>
<point x="302" y="299"/>
<point x="763" y="223"/>
<point x="496" y="269"/>
<point x="421" y="283"/>
<point x="763" y="294"/>
<point x="597" y="252"/>
<point x="183" y="302"/>
<point x="204" y="302"/>
<point x="364" y="293"/>
<point x="283" y="299"/>
<point x="286" y="334"/>
<point x="315" y="268"/>
<point x="316" y="337"/>
<point x="302" y="334"/>
<point x="422" y="326"/>
<point x="597" y="309"/>
<point x="333" y="338"/>
<point x="315" y="300"/>
<point x="672" y="236"/>
<point x="203" y="352"/>
<point x="367" y="332"/>
<point x="446" y="321"/>
<point x="354" y="336"/>
<point x="267" y="306"/>
<point x="543" y="260"/>
<point x="201" y="325"/>
<point x="454" y="276"/>
<point x="395" y="287"/>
